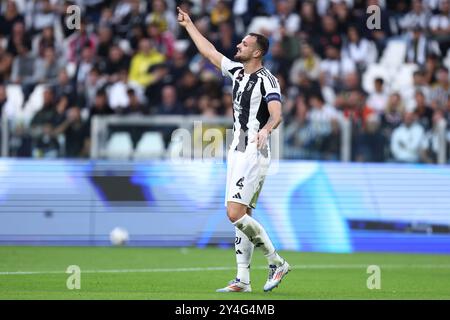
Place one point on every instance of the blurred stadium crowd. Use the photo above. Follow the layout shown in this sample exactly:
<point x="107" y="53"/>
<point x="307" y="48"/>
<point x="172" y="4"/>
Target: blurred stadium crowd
<point x="131" y="57"/>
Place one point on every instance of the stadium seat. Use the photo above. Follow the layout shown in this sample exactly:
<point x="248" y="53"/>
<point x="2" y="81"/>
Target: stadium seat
<point x="394" y="55"/>
<point x="150" y="146"/>
<point x="15" y="95"/>
<point x="34" y="103"/>
<point x="119" y="146"/>
<point x="71" y="69"/>
<point x="403" y="78"/>
<point x="374" y="71"/>
<point x="446" y="61"/>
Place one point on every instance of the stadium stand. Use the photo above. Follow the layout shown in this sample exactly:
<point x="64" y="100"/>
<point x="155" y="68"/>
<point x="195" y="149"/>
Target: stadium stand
<point x="131" y="57"/>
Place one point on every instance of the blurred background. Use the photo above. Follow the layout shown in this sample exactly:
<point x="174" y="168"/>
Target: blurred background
<point x="89" y="117"/>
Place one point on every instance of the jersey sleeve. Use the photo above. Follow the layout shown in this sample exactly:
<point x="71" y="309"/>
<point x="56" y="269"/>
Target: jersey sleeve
<point x="271" y="88"/>
<point x="229" y="68"/>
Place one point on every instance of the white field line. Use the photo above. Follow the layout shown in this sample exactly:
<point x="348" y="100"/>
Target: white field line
<point x="203" y="269"/>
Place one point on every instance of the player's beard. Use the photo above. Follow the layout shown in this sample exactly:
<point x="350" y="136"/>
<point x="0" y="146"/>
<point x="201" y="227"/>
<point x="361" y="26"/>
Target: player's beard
<point x="240" y="58"/>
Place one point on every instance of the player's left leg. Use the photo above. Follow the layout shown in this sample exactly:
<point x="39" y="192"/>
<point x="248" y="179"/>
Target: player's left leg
<point x="278" y="267"/>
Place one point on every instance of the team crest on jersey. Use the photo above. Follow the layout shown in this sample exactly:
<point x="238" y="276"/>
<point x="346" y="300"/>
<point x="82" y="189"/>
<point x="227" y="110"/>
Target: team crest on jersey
<point x="250" y="85"/>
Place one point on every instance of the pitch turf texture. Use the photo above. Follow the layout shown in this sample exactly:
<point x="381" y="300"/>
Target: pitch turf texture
<point x="190" y="273"/>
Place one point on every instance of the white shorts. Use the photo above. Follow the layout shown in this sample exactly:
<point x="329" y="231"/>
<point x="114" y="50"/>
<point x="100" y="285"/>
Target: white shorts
<point x="246" y="172"/>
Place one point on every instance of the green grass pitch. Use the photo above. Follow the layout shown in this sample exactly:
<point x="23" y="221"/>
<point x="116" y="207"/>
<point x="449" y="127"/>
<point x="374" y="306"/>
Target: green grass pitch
<point x="191" y="273"/>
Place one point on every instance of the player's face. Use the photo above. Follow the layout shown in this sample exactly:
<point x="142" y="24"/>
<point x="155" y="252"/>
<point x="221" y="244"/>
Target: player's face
<point x="245" y="49"/>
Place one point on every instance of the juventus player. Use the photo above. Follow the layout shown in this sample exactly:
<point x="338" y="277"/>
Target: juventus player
<point x="257" y="111"/>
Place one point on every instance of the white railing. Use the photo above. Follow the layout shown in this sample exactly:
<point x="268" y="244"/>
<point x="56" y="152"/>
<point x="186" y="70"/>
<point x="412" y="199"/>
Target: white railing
<point x="100" y="130"/>
<point x="5" y="135"/>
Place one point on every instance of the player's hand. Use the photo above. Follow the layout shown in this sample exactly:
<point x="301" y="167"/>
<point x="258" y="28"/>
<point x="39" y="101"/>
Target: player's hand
<point x="261" y="138"/>
<point x="183" y="18"/>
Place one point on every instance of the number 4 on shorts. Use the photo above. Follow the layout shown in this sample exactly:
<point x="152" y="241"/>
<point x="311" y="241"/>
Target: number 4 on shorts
<point x="240" y="183"/>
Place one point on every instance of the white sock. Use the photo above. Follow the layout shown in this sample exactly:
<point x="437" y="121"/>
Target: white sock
<point x="274" y="259"/>
<point x="244" y="250"/>
<point x="258" y="236"/>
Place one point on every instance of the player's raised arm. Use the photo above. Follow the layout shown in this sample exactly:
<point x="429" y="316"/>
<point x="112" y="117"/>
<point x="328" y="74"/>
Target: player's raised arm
<point x="205" y="47"/>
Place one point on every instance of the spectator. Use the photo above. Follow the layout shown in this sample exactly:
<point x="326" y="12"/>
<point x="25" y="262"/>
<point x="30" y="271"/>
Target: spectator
<point x="79" y="41"/>
<point x="9" y="18"/>
<point x="116" y="61"/>
<point x="228" y="40"/>
<point x="331" y="148"/>
<point x="87" y="91"/>
<point x="430" y="69"/>
<point x="333" y="66"/>
<point x="46" y="145"/>
<point x="100" y="106"/>
<point x="392" y="116"/>
<point x="134" y="18"/>
<point x="44" y="40"/>
<point x="321" y="115"/>
<point x="208" y="107"/>
<point x="440" y="26"/>
<point x="407" y="139"/>
<point x="423" y="112"/>
<point x="146" y="57"/>
<point x="329" y="36"/>
<point x="419" y="84"/>
<point x="188" y="90"/>
<point x="306" y="87"/>
<point x="277" y="62"/>
<point x="308" y="63"/>
<point x="309" y="21"/>
<point x="18" y="39"/>
<point x="47" y="68"/>
<point x="430" y="144"/>
<point x="162" y="16"/>
<point x="83" y="66"/>
<point x="299" y="137"/>
<point x="22" y="70"/>
<point x="285" y="18"/>
<point x="371" y="144"/>
<point x="418" y="16"/>
<point x="46" y="115"/>
<point x="134" y="104"/>
<point x="76" y="134"/>
<point x="162" y="78"/>
<point x="169" y="104"/>
<point x="105" y="41"/>
<point x="361" y="51"/>
<point x="227" y="104"/>
<point x="220" y="14"/>
<point x="163" y="41"/>
<point x="179" y="65"/>
<point x="43" y="15"/>
<point x="378" y="99"/>
<point x="6" y="62"/>
<point x="341" y="12"/>
<point x="419" y="46"/>
<point x="64" y="86"/>
<point x="440" y="90"/>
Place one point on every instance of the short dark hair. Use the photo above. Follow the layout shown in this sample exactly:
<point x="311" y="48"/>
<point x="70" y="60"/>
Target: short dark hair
<point x="379" y="80"/>
<point x="261" y="41"/>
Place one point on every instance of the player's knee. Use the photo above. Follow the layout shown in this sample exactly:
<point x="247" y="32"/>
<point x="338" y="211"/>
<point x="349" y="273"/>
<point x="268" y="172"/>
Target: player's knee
<point x="234" y="215"/>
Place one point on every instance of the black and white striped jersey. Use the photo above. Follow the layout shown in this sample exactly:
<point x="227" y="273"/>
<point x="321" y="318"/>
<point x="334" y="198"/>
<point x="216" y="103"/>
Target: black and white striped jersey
<point x="251" y="94"/>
